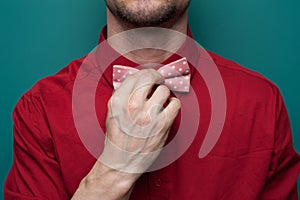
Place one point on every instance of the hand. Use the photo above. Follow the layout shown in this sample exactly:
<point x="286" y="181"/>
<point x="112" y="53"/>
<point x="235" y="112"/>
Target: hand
<point x="137" y="126"/>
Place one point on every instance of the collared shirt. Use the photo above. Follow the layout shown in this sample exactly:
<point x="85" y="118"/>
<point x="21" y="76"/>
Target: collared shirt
<point x="254" y="157"/>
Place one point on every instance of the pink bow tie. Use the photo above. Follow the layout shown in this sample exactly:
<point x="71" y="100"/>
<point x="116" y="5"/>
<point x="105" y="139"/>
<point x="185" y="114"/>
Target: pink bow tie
<point x="177" y="75"/>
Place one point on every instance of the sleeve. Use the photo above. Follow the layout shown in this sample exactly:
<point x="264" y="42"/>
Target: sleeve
<point x="285" y="164"/>
<point x="35" y="173"/>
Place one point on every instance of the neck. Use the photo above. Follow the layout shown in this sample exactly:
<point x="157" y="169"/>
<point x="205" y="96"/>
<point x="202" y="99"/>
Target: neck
<point x="149" y="38"/>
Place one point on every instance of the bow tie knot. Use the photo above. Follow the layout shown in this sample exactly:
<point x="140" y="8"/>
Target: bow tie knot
<point x="177" y="75"/>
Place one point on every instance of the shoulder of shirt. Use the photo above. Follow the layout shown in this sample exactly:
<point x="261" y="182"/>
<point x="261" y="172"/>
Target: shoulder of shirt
<point x="49" y="87"/>
<point x="59" y="82"/>
<point x="250" y="75"/>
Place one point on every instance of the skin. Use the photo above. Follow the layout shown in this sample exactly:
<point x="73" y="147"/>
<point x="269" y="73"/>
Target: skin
<point x="177" y="22"/>
<point x="131" y="98"/>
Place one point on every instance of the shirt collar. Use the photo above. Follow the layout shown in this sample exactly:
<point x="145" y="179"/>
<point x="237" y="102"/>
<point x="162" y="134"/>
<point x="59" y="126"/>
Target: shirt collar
<point x="106" y="59"/>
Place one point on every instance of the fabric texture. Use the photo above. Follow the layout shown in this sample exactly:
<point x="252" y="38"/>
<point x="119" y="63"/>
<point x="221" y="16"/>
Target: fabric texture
<point x="253" y="159"/>
<point x="176" y="74"/>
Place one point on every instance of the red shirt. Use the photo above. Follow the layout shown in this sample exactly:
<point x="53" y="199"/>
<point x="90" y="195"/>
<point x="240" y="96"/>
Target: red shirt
<point x="254" y="157"/>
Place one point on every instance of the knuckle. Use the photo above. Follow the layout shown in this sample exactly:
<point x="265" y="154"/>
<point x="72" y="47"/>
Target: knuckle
<point x="164" y="89"/>
<point x="114" y="100"/>
<point x="133" y="105"/>
<point x="177" y="103"/>
<point x="141" y="87"/>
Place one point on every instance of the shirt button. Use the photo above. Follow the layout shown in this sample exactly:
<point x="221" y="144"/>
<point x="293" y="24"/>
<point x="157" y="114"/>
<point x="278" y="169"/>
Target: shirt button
<point x="158" y="182"/>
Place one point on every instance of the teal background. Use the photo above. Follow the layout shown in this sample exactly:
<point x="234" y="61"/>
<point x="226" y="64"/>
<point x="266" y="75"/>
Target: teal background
<point x="38" y="38"/>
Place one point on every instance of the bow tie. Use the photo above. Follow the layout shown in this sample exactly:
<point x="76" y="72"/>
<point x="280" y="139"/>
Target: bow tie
<point x="177" y="75"/>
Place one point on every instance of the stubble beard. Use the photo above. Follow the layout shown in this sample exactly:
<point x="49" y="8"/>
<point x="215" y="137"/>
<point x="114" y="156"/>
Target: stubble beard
<point x="144" y="15"/>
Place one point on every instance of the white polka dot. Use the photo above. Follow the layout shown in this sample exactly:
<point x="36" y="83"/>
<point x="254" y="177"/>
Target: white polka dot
<point x="169" y="74"/>
<point x="186" y="87"/>
<point x="113" y="75"/>
<point x="130" y="72"/>
<point x="187" y="77"/>
<point x="170" y="82"/>
<point x="181" y="82"/>
<point x="124" y="76"/>
<point x="180" y="69"/>
<point x="187" y="71"/>
<point x="175" y="87"/>
<point x="162" y="71"/>
<point x="184" y="62"/>
<point x="173" y="67"/>
<point x="119" y="71"/>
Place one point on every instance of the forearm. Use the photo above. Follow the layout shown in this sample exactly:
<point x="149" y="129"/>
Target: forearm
<point x="105" y="183"/>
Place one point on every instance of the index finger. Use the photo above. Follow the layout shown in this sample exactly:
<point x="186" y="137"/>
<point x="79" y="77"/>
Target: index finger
<point x="146" y="77"/>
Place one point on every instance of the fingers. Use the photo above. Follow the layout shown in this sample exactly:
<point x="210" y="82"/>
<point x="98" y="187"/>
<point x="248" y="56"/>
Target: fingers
<point x="140" y="83"/>
<point x="171" y="111"/>
<point x="160" y="96"/>
<point x="147" y="79"/>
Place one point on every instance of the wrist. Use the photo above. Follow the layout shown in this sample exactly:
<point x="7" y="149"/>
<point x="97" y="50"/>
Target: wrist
<point x="107" y="181"/>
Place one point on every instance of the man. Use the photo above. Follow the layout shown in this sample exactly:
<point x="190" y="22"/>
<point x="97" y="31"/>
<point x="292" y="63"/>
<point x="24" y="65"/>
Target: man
<point x="253" y="158"/>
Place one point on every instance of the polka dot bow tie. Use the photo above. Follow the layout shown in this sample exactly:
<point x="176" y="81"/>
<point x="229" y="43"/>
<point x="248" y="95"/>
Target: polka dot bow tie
<point x="177" y="75"/>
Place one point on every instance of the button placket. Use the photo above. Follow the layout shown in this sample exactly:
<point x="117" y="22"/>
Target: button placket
<point x="157" y="183"/>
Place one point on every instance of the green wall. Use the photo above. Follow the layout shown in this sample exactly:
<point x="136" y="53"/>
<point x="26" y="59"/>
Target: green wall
<point x="37" y="38"/>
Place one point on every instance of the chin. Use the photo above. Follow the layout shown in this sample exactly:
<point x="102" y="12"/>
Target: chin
<point x="143" y="13"/>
